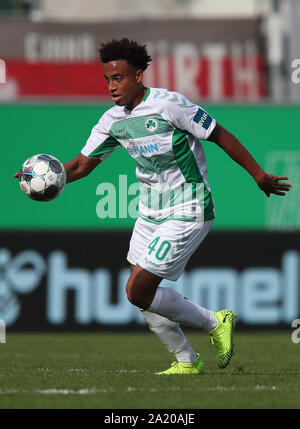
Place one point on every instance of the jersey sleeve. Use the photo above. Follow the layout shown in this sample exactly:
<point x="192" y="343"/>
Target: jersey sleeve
<point x="100" y="144"/>
<point x="187" y="116"/>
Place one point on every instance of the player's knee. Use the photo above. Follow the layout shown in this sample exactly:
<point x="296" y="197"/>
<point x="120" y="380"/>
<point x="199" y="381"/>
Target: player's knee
<point x="134" y="296"/>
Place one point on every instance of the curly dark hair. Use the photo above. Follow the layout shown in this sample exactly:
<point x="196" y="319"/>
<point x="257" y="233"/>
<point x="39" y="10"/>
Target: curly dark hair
<point x="125" y="49"/>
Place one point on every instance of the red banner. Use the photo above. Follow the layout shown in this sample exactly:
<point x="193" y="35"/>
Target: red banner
<point x="217" y="60"/>
<point x="199" y="78"/>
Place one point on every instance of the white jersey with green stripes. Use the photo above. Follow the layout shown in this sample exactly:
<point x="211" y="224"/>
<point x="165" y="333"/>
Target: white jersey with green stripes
<point x="163" y="135"/>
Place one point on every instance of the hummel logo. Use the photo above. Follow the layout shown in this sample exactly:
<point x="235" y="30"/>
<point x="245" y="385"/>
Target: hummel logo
<point x="120" y="131"/>
<point x="225" y="317"/>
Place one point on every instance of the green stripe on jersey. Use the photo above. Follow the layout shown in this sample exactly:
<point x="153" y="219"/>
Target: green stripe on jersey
<point x="172" y="217"/>
<point x="156" y="163"/>
<point x="147" y="94"/>
<point x="185" y="157"/>
<point x="141" y="126"/>
<point x="190" y="170"/>
<point x="108" y="145"/>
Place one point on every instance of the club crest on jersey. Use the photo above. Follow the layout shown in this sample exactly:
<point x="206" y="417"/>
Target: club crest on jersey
<point x="151" y="125"/>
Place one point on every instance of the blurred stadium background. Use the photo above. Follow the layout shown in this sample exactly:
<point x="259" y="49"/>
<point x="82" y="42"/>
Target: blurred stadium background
<point x="64" y="268"/>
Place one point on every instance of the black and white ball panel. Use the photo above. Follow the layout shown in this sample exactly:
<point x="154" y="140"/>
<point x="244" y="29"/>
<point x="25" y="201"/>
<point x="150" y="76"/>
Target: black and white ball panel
<point x="42" y="177"/>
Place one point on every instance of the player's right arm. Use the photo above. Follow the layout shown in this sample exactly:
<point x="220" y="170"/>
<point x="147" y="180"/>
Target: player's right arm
<point x="97" y="148"/>
<point x="80" y="167"/>
<point x="77" y="168"/>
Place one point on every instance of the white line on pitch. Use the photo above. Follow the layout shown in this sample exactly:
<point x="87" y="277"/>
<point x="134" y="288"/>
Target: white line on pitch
<point x="53" y="391"/>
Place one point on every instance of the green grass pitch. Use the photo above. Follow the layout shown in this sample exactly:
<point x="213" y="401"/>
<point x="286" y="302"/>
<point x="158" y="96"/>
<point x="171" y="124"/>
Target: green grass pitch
<point x="115" y="370"/>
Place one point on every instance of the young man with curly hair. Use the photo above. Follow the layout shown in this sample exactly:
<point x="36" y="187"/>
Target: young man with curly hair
<point x="162" y="130"/>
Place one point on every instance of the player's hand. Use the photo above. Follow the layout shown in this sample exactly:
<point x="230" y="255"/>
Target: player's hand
<point x="16" y="175"/>
<point x="270" y="184"/>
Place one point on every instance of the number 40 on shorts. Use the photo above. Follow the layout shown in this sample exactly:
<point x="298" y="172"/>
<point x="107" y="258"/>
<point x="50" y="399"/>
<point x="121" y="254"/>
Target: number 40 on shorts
<point x="161" y="250"/>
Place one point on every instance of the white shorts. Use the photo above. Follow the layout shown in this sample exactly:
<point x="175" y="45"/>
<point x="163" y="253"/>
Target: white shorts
<point x="165" y="249"/>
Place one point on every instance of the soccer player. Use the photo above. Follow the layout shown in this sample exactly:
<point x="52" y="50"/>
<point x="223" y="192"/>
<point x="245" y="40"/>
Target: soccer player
<point x="162" y="130"/>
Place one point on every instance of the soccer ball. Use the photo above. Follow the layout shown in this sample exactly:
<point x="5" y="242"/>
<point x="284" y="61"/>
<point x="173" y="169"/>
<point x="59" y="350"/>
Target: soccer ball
<point x="42" y="177"/>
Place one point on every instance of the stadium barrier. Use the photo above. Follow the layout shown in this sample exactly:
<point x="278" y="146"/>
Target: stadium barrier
<point x="64" y="281"/>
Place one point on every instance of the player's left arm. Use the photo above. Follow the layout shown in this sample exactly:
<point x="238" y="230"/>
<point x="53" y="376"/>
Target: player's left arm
<point x="268" y="183"/>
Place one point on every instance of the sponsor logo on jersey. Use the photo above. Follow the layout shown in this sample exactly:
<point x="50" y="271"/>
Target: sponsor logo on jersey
<point x="143" y="149"/>
<point x="203" y="119"/>
<point x="151" y="125"/>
